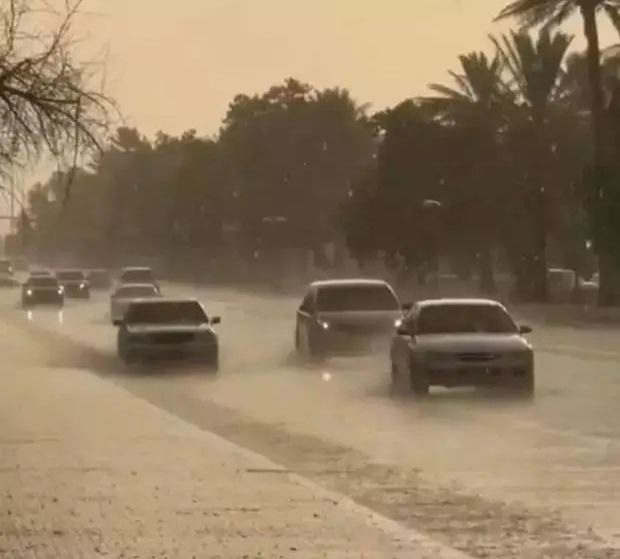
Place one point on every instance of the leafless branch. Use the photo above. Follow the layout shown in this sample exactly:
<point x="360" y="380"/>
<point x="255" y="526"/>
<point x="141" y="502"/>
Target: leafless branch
<point x="47" y="103"/>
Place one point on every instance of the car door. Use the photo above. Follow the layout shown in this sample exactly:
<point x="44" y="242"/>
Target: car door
<point x="305" y="315"/>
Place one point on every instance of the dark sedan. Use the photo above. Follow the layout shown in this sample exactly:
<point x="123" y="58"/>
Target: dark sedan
<point x="167" y="328"/>
<point x="74" y="283"/>
<point x="42" y="290"/>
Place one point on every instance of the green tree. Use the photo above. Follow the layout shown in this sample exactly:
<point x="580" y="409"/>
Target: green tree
<point x="555" y="12"/>
<point x="535" y="71"/>
<point x="476" y="108"/>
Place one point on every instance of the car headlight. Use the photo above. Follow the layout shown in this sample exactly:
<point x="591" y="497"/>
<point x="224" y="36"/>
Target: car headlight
<point x="60" y="291"/>
<point x="82" y="285"/>
<point x="29" y="292"/>
<point x="398" y="323"/>
<point x="323" y="324"/>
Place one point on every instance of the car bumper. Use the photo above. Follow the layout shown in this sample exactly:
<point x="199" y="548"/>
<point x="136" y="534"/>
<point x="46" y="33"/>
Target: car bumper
<point x="76" y="292"/>
<point x="479" y="375"/>
<point x="198" y="351"/>
<point x="345" y="343"/>
<point x="42" y="299"/>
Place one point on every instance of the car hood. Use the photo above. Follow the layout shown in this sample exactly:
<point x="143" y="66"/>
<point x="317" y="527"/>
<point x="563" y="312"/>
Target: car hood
<point x="455" y="343"/>
<point x="160" y="328"/>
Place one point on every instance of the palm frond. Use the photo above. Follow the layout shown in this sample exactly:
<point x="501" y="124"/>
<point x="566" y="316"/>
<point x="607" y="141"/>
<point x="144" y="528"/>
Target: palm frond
<point x="539" y="12"/>
<point x="613" y="13"/>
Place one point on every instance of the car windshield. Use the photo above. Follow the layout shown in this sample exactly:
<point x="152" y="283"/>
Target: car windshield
<point x="452" y="319"/>
<point x="42" y="281"/>
<point x="356" y="298"/>
<point x="70" y="275"/>
<point x="137" y="276"/>
<point x="166" y="312"/>
<point x="136" y="291"/>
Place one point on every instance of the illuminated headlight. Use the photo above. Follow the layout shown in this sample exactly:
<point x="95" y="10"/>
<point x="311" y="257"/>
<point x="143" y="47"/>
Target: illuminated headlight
<point x="82" y="285"/>
<point x="398" y="323"/>
<point x="29" y="292"/>
<point x="60" y="291"/>
<point x="323" y="324"/>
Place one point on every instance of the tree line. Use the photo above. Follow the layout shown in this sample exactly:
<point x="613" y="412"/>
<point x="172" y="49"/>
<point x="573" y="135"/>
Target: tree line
<point x="510" y="165"/>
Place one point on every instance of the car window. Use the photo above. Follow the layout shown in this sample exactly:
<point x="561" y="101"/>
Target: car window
<point x="42" y="281"/>
<point x="459" y="318"/>
<point x="137" y="291"/>
<point x="356" y="298"/>
<point x="166" y="312"/>
<point x="137" y="276"/>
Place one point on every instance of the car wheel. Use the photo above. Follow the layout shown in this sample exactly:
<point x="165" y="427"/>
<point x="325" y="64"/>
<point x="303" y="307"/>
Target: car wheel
<point x="213" y="359"/>
<point x="306" y="347"/>
<point x="525" y="389"/>
<point x="418" y="381"/>
<point x="397" y="380"/>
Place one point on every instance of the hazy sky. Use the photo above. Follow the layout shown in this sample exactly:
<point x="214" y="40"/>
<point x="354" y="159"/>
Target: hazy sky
<point x="175" y="65"/>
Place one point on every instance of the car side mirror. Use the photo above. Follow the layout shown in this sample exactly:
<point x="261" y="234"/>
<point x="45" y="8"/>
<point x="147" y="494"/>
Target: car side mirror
<point x="117" y="322"/>
<point x="525" y="330"/>
<point x="216" y="320"/>
<point x="406" y="306"/>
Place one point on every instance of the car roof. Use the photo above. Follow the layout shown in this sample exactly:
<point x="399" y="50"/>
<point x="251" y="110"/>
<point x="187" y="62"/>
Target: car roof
<point x="136" y="269"/>
<point x="458" y="301"/>
<point x="352" y="282"/>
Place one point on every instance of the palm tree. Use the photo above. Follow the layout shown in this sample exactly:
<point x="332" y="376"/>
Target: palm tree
<point x="535" y="70"/>
<point x="475" y="106"/>
<point x="553" y="13"/>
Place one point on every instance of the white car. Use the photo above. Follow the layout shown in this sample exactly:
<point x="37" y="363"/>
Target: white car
<point x="345" y="316"/>
<point x="461" y="342"/>
<point x="125" y="294"/>
<point x="137" y="274"/>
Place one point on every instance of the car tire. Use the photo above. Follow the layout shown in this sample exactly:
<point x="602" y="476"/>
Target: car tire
<point x="306" y="349"/>
<point x="418" y="381"/>
<point x="213" y="360"/>
<point x="398" y="380"/>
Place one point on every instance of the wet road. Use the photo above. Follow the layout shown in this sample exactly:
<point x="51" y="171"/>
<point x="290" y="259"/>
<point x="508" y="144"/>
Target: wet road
<point x="493" y="477"/>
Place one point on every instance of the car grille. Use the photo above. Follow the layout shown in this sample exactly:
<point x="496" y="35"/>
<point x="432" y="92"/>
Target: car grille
<point x="171" y="337"/>
<point x="476" y="357"/>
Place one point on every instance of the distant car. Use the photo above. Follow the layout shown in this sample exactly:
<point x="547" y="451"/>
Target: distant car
<point x="74" y="283"/>
<point x="123" y="295"/>
<point x="160" y="328"/>
<point x="137" y="275"/>
<point x="42" y="290"/>
<point x="99" y="279"/>
<point x="6" y="273"/>
<point x="461" y="342"/>
<point x="342" y="316"/>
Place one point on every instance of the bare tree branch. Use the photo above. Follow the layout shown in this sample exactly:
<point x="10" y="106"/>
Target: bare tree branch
<point x="47" y="103"/>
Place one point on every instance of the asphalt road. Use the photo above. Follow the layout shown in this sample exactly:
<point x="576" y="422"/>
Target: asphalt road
<point x="490" y="476"/>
